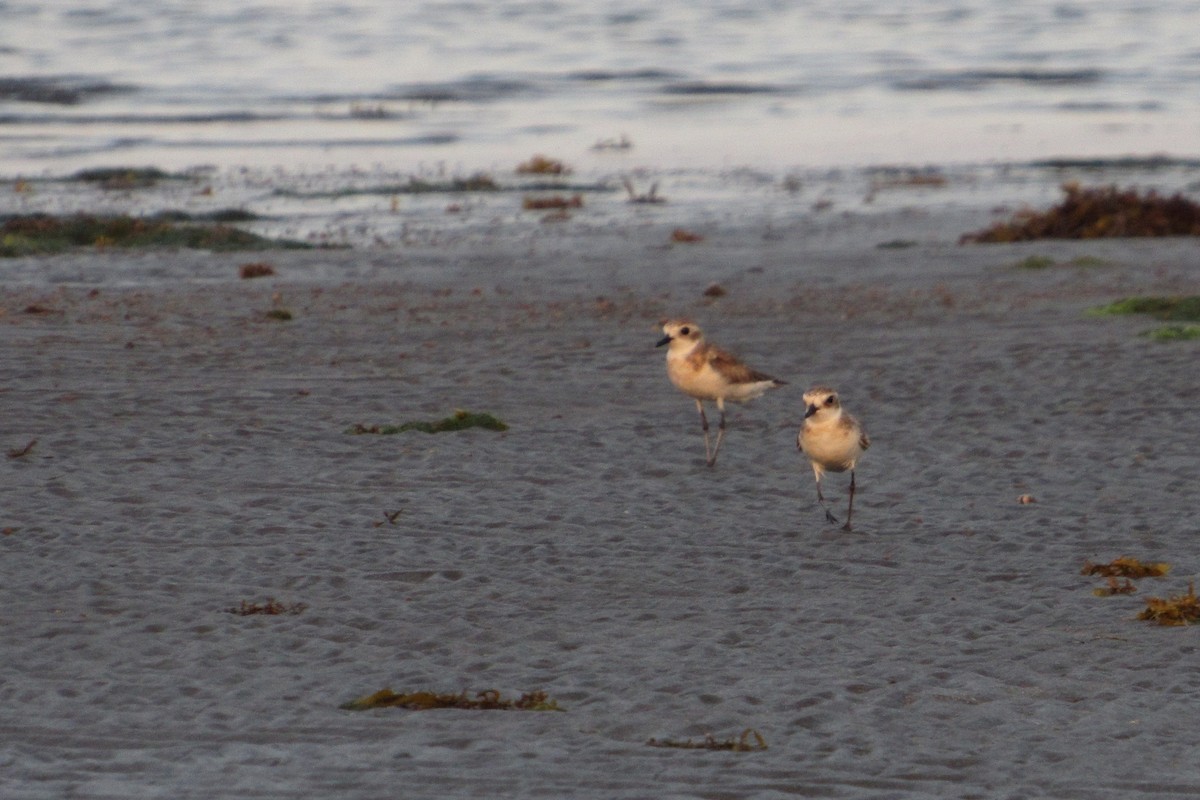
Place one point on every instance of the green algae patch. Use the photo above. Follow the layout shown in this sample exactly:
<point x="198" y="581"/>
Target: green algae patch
<point x="44" y="234"/>
<point x="1174" y="333"/>
<point x="1176" y="310"/>
<point x="1168" y="309"/>
<point x="489" y="700"/>
<point x="458" y="421"/>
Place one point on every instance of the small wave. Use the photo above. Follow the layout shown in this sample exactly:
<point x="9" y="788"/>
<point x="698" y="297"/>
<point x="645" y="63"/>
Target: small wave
<point x="1102" y="106"/>
<point x="106" y="146"/>
<point x="602" y="76"/>
<point x="1140" y="163"/>
<point x="978" y="79"/>
<point x="476" y="89"/>
<point x="426" y="140"/>
<point x="63" y="91"/>
<point x="144" y="119"/>
<point x="706" y="88"/>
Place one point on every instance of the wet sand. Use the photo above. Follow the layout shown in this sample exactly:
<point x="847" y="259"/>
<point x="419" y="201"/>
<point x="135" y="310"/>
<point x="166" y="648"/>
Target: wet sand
<point x="192" y="453"/>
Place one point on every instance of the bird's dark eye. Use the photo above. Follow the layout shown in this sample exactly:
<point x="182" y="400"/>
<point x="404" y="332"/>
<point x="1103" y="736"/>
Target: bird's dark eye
<point x="830" y="400"/>
<point x="685" y="330"/>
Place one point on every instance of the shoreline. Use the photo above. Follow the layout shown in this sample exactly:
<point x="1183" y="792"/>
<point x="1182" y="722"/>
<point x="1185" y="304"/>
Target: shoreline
<point x="379" y="209"/>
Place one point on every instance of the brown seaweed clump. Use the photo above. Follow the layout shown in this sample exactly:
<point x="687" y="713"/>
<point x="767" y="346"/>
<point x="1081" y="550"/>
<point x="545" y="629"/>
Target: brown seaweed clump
<point x="1115" y="587"/>
<point x="541" y="165"/>
<point x="256" y="269"/>
<point x="271" y="608"/>
<point x="1178" y="610"/>
<point x="1125" y="567"/>
<point x="460" y="420"/>
<point x="1095" y="213"/>
<point x="554" y="203"/>
<point x="489" y="700"/>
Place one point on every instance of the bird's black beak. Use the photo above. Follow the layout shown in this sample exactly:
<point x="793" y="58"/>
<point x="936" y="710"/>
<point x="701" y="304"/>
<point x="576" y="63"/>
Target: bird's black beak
<point x="663" y="340"/>
<point x="812" y="409"/>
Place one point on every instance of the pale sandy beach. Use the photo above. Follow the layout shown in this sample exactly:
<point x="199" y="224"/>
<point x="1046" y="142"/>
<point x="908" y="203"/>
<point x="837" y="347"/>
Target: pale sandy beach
<point x="192" y="453"/>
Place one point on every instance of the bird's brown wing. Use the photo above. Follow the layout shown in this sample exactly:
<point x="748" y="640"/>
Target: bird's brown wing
<point x="728" y="365"/>
<point x="849" y="423"/>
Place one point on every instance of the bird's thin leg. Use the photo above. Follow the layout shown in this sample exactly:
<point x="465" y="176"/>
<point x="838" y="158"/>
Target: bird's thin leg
<point x="720" y="434"/>
<point x="850" y="507"/>
<point x="821" y="499"/>
<point x="708" y="457"/>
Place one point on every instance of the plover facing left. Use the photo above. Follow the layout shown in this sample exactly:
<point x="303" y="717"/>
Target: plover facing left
<point x="833" y="441"/>
<point x="704" y="371"/>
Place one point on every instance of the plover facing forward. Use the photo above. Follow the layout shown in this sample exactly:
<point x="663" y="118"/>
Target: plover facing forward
<point x="704" y="371"/>
<point x="833" y="441"/>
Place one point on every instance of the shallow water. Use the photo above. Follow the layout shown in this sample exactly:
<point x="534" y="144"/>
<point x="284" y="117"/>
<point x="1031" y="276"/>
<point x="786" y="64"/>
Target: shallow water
<point x="319" y="84"/>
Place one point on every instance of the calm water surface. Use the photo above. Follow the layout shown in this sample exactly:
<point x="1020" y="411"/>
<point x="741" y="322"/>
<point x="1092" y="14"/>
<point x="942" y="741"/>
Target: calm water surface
<point x="316" y="84"/>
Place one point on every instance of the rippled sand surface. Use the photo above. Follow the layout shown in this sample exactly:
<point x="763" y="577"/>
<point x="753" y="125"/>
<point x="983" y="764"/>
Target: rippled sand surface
<point x="192" y="454"/>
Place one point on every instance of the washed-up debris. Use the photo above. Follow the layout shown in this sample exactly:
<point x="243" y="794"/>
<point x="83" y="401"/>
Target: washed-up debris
<point x="749" y="740"/>
<point x="389" y="518"/>
<point x="271" y="607"/>
<point x="652" y="197"/>
<point x="541" y="165"/>
<point x="1101" y="212"/>
<point x="1126" y="567"/>
<point x="125" y="177"/>
<point x="256" y="269"/>
<point x="1177" y="610"/>
<point x="21" y="452"/>
<point x="489" y="700"/>
<point x="554" y="203"/>
<point x="1115" y="587"/>
<point x="460" y="420"/>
